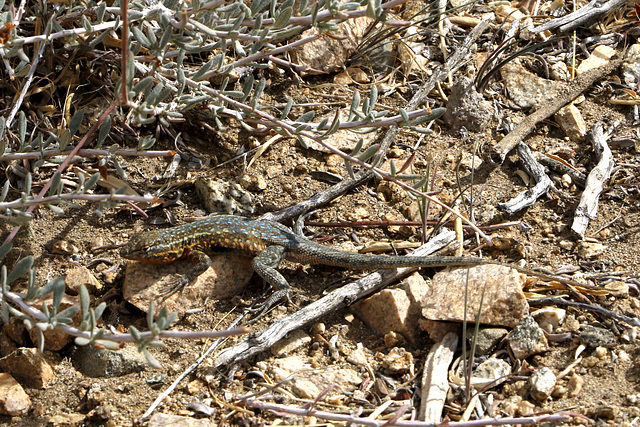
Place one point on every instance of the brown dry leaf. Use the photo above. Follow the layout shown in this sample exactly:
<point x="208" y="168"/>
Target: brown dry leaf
<point x="343" y="79"/>
<point x="633" y="99"/>
<point x="596" y="292"/>
<point x="551" y="286"/>
<point x="377" y="247"/>
<point x="112" y="40"/>
<point x="410" y="60"/>
<point x="263" y="148"/>
<point x="5" y="32"/>
<point x="535" y="295"/>
<point x="358" y="75"/>
<point x="561" y="160"/>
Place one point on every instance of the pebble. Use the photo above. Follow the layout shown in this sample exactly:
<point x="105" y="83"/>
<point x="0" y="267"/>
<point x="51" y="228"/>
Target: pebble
<point x="560" y="228"/>
<point x="273" y="171"/>
<point x="491" y="370"/>
<point x="81" y="276"/>
<point x="94" y="362"/>
<point x="161" y="420"/>
<point x="395" y="310"/>
<point x="589" y="250"/>
<point x="486" y="339"/>
<point x="601" y="352"/>
<point x="606" y="412"/>
<point x="596" y="337"/>
<point x="510" y="405"/>
<point x="254" y="182"/>
<point x="224" y="196"/>
<point x="358" y="75"/>
<point x="558" y="391"/>
<point x="29" y="367"/>
<point x="319" y="328"/>
<point x="502" y="286"/>
<point x="398" y="361"/>
<point x="55" y="339"/>
<point x="342" y="139"/>
<point x="63" y="247"/>
<point x="467" y="108"/>
<point x="633" y="398"/>
<point x="559" y="71"/>
<point x="342" y="79"/>
<point x="618" y="288"/>
<point x="308" y="383"/>
<point x="567" y="245"/>
<point x="96" y="243"/>
<point x="550" y="318"/>
<point x="358" y="214"/>
<point x="13" y="399"/>
<point x="527" y="338"/>
<point x="623" y="356"/>
<point x="575" y="385"/>
<point x="195" y="387"/>
<point x="541" y="383"/>
<point x="630" y="68"/>
<point x="600" y="56"/>
<point x="358" y="356"/>
<point x="526" y="408"/>
<point x="526" y="89"/>
<point x="226" y="277"/>
<point x="65" y="420"/>
<point x="292" y="342"/>
<point x="393" y="339"/>
<point x="572" y="123"/>
<point x="590" y="361"/>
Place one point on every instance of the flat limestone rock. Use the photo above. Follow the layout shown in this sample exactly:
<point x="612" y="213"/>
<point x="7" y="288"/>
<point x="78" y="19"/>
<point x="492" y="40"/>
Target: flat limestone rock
<point x="504" y="303"/>
<point x="13" y="399"/>
<point x="526" y="89"/>
<point x="145" y="282"/>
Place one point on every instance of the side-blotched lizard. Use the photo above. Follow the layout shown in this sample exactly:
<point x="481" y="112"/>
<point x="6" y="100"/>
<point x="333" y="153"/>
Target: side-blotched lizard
<point x="269" y="243"/>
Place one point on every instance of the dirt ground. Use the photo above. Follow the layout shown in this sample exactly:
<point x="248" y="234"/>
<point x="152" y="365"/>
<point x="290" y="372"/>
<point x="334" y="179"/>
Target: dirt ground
<point x="611" y="378"/>
<point x="608" y="383"/>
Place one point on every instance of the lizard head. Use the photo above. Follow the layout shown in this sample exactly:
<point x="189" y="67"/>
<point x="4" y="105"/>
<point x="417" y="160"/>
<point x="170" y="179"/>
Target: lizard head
<point x="146" y="247"/>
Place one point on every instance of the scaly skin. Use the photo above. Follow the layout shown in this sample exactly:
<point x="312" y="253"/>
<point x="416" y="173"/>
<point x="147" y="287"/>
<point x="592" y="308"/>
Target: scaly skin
<point x="269" y="243"/>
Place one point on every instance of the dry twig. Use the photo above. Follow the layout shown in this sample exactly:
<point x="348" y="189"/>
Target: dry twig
<point x="528" y="197"/>
<point x="435" y="381"/>
<point x="581" y="16"/>
<point x="588" y="207"/>
<point x="352" y="419"/>
<point x="582" y="83"/>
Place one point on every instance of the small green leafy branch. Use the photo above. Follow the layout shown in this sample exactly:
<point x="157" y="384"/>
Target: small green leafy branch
<point x="163" y="81"/>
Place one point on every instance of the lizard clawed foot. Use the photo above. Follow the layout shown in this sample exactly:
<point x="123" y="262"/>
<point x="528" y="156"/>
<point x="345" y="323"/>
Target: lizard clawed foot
<point x="175" y="286"/>
<point x="270" y="303"/>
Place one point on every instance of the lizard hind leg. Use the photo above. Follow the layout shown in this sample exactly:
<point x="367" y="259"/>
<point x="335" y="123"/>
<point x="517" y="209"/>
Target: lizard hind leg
<point x="265" y="264"/>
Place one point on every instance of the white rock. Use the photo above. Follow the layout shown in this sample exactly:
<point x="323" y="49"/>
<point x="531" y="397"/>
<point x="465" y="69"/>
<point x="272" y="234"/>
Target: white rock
<point x="542" y="383"/>
<point x="550" y="318"/>
<point x="599" y="57"/>
<point x="630" y="67"/>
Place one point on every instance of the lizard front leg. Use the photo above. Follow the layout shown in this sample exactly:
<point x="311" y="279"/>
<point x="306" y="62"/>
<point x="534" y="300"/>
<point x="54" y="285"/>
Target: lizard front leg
<point x="203" y="263"/>
<point x="265" y="264"/>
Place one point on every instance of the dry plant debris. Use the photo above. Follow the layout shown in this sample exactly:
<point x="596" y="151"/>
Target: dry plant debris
<point x="375" y="116"/>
